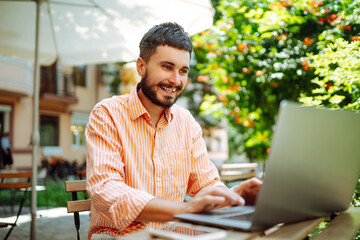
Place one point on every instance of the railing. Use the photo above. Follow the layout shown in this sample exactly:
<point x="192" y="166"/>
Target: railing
<point x="58" y="83"/>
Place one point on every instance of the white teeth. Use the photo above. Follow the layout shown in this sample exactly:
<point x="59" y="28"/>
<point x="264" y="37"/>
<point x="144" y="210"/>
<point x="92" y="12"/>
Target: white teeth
<point x="169" y="89"/>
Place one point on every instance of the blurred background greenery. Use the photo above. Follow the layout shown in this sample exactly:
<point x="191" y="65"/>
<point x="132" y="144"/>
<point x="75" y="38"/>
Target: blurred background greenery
<point x="260" y="52"/>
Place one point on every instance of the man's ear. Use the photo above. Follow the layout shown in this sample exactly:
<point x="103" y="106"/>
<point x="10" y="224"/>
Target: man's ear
<point x="141" y="66"/>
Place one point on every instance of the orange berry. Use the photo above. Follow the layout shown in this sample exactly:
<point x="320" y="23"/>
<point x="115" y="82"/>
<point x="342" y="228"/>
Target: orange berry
<point x="273" y="84"/>
<point x="238" y="120"/>
<point x="203" y="78"/>
<point x="245" y="70"/>
<point x="222" y="99"/>
<point x="241" y="47"/>
<point x="268" y="150"/>
<point x="308" y="41"/>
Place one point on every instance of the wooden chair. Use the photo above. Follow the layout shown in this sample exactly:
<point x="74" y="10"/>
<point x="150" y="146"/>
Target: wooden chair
<point x="75" y="206"/>
<point x="20" y="181"/>
<point x="237" y="171"/>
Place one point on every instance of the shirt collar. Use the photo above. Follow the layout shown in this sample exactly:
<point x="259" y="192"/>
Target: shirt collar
<point x="137" y="109"/>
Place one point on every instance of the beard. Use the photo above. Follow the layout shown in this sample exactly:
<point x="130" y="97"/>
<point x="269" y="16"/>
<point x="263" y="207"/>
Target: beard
<point x="149" y="91"/>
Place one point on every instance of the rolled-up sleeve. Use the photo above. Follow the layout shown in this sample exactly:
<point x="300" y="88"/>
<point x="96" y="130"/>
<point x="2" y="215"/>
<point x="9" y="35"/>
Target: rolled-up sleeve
<point x="116" y="202"/>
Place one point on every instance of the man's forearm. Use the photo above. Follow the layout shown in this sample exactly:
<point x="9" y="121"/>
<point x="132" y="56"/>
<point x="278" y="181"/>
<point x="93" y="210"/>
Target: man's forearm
<point x="159" y="210"/>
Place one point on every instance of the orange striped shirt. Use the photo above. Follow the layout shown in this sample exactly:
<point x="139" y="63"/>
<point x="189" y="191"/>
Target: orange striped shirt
<point x="131" y="161"/>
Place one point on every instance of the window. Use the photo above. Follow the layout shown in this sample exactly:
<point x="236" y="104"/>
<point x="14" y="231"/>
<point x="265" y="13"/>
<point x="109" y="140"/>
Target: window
<point x="78" y="125"/>
<point x="48" y="79"/>
<point x="79" y="73"/>
<point x="49" y="130"/>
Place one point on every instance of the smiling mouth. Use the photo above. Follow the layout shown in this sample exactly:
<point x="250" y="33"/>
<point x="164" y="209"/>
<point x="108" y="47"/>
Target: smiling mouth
<point x="169" y="89"/>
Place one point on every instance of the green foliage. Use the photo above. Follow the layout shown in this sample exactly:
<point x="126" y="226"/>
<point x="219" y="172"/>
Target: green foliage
<point x="337" y="68"/>
<point x="112" y="74"/>
<point x="260" y="52"/>
<point x="357" y="237"/>
<point x="318" y="229"/>
<point x="356" y="198"/>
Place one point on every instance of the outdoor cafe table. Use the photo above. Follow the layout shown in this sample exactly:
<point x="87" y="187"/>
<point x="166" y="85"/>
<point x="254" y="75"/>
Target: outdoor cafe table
<point x="343" y="226"/>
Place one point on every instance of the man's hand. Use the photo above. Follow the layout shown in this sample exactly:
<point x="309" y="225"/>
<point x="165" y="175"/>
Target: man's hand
<point x="249" y="190"/>
<point x="213" y="197"/>
<point x="159" y="210"/>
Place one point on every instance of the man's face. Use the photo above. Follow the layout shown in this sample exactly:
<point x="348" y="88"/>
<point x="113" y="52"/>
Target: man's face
<point x="164" y="76"/>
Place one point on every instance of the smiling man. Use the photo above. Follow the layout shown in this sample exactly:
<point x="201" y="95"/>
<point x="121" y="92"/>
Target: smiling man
<point x="145" y="152"/>
<point x="169" y="69"/>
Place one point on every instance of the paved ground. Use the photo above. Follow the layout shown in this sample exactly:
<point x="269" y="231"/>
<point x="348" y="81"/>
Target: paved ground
<point x="52" y="224"/>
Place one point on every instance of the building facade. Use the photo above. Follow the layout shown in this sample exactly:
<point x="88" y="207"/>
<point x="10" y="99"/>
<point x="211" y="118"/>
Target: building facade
<point x="67" y="95"/>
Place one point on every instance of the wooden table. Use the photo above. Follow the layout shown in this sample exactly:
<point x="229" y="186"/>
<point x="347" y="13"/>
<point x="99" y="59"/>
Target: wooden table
<point x="344" y="226"/>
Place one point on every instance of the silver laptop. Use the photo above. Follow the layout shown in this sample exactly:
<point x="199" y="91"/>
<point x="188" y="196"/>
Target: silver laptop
<point x="312" y="171"/>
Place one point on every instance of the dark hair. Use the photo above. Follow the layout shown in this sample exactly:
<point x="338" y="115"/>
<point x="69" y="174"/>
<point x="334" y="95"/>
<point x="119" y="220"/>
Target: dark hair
<point x="171" y="34"/>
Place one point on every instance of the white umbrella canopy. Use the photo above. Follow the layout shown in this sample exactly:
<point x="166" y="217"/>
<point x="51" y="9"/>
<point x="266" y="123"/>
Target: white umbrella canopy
<point x="86" y="32"/>
<point x="92" y="31"/>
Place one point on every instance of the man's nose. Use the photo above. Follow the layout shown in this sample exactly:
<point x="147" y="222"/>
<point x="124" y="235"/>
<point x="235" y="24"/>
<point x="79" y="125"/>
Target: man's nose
<point x="175" y="79"/>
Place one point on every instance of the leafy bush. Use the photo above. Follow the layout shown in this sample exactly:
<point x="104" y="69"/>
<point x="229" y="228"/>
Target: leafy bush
<point x="256" y="55"/>
<point x="337" y="69"/>
<point x="261" y="52"/>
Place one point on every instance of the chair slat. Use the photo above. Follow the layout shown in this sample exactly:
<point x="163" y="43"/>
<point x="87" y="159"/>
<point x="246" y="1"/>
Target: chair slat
<point x="16" y="175"/>
<point x="237" y="171"/>
<point x="5" y="224"/>
<point x="78" y="206"/>
<point x="238" y="166"/>
<point x="16" y="185"/>
<point x="233" y="176"/>
<point x="75" y="186"/>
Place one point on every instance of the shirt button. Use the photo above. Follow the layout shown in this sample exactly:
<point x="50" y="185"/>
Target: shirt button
<point x="158" y="179"/>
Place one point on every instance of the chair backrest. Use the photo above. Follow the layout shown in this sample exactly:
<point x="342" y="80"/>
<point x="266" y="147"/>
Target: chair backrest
<point x="24" y="183"/>
<point x="237" y="171"/>
<point x="75" y="206"/>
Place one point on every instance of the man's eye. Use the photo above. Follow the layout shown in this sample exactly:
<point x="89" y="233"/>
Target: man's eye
<point x="167" y="67"/>
<point x="184" y="71"/>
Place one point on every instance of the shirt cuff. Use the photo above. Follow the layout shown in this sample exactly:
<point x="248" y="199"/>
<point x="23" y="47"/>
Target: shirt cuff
<point x="127" y="209"/>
